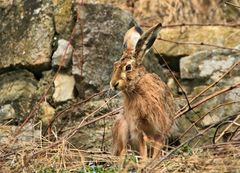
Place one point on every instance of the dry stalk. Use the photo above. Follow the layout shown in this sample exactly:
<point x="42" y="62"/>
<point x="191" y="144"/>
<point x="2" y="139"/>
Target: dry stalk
<point x="213" y="109"/>
<point x="181" y="111"/>
<point x="75" y="129"/>
<point x="199" y="44"/>
<point x="72" y="107"/>
<point x="98" y="109"/>
<point x="213" y="146"/>
<point x="174" y="77"/>
<point x="37" y="105"/>
<point x="198" y="24"/>
<point x="208" y="98"/>
<point x="150" y="167"/>
<point x="232" y="133"/>
<point x="227" y="128"/>
<point x="231" y="4"/>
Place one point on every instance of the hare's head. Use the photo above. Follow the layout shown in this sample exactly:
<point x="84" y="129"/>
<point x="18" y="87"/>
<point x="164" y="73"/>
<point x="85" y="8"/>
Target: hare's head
<point x="128" y="70"/>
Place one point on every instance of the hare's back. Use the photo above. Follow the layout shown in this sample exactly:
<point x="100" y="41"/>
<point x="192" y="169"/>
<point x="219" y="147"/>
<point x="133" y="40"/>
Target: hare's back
<point x="157" y="91"/>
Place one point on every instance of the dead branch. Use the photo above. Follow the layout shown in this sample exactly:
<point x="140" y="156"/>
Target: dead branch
<point x="81" y="125"/>
<point x="72" y="107"/>
<point x="37" y="105"/>
<point x="213" y="146"/>
<point x="198" y="24"/>
<point x="204" y="115"/>
<point x="208" y="98"/>
<point x="227" y="128"/>
<point x="174" y="77"/>
<point x="198" y="44"/>
<point x="151" y="169"/>
<point x="222" y="124"/>
<point x="178" y="114"/>
<point x="231" y="4"/>
<point x="98" y="109"/>
<point x="147" y="167"/>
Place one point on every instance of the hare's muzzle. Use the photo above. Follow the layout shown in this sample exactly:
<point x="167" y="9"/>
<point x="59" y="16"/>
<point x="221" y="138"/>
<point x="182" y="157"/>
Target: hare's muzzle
<point x="114" y="85"/>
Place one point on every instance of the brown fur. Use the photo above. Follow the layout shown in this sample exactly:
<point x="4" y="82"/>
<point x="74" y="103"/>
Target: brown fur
<point x="120" y="136"/>
<point x="148" y="104"/>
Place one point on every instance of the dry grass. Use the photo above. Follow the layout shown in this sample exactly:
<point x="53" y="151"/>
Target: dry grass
<point x="38" y="154"/>
<point x="217" y="158"/>
<point x="62" y="156"/>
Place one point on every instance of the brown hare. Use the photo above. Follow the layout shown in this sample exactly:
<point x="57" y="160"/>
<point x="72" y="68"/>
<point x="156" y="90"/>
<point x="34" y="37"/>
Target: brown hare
<point x="148" y="105"/>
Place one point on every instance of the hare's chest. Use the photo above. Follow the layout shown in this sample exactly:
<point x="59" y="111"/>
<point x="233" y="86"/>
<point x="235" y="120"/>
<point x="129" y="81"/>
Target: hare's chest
<point x="137" y="120"/>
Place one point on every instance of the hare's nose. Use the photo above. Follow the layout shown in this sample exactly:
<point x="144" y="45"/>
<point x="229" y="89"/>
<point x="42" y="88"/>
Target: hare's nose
<point x="116" y="85"/>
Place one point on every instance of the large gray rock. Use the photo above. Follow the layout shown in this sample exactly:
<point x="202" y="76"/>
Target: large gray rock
<point x="207" y="64"/>
<point x="18" y="95"/>
<point x="20" y="92"/>
<point x="203" y="68"/>
<point x="103" y="30"/>
<point x="26" y="34"/>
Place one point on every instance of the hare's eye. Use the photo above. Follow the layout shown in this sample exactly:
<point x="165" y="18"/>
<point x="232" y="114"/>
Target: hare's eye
<point x="128" y="67"/>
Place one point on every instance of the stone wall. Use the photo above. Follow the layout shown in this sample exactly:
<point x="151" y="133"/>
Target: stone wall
<point x="80" y="42"/>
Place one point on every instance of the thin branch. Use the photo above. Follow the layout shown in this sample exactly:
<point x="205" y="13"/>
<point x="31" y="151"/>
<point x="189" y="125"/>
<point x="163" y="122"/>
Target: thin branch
<point x="71" y="133"/>
<point x="174" y="77"/>
<point x="231" y="4"/>
<point x="199" y="44"/>
<point x="185" y="142"/>
<point x="98" y="109"/>
<point x="37" y="105"/>
<point x="206" y="89"/>
<point x="208" y="98"/>
<point x="177" y="148"/>
<point x="228" y="127"/>
<point x="198" y="24"/>
<point x="72" y="107"/>
<point x="103" y="135"/>
<point x="213" y="109"/>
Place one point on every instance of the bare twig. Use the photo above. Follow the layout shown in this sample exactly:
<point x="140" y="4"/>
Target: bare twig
<point x="234" y="5"/>
<point x="98" y="109"/>
<point x="174" y="150"/>
<point x="103" y="135"/>
<point x="72" y="107"/>
<point x="222" y="124"/>
<point x="228" y="127"/>
<point x="198" y="24"/>
<point x="199" y="44"/>
<point x="174" y="77"/>
<point x="37" y="105"/>
<point x="182" y="144"/>
<point x="213" y="146"/>
<point x="208" y="98"/>
<point x="75" y="129"/>
<point x="213" y="109"/>
<point x="179" y="113"/>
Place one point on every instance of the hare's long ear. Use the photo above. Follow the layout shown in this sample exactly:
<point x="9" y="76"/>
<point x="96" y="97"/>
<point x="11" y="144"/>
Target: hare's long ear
<point x="131" y="38"/>
<point x="145" y="42"/>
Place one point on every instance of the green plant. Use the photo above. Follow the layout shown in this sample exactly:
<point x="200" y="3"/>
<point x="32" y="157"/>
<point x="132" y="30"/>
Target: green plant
<point x="97" y="169"/>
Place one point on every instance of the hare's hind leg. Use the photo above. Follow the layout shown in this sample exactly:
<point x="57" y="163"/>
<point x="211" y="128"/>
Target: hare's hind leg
<point x="158" y="143"/>
<point x="142" y="147"/>
<point x="157" y="147"/>
<point x="120" y="135"/>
